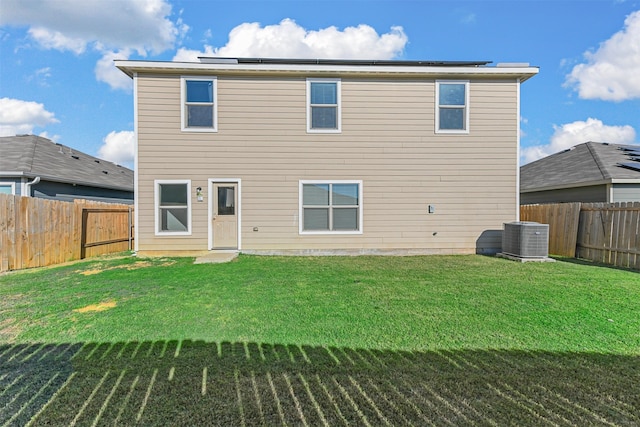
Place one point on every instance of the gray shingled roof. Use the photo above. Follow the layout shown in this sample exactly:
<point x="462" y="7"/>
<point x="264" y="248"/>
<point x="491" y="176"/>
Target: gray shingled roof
<point x="591" y="163"/>
<point x="31" y="156"/>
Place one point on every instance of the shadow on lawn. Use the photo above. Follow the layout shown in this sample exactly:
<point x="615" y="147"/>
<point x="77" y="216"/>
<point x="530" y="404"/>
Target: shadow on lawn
<point x="590" y="263"/>
<point x="197" y="383"/>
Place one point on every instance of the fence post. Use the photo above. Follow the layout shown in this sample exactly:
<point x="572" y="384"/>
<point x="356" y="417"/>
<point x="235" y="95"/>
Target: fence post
<point x="83" y="234"/>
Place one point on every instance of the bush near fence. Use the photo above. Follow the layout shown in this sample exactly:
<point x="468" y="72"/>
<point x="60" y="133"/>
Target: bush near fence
<point x="38" y="232"/>
<point x="602" y="232"/>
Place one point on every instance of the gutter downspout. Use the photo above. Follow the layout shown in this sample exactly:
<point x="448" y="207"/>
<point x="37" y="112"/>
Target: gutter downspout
<point x="27" y="186"/>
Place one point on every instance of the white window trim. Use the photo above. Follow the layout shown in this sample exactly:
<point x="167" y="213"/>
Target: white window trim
<point x="466" y="107"/>
<point x="10" y="184"/>
<point x="338" y="109"/>
<point x="183" y="103"/>
<point x="156" y="202"/>
<point x="328" y="232"/>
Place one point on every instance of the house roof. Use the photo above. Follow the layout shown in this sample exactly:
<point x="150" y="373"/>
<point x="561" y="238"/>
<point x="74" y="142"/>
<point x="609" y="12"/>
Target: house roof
<point x="31" y="156"/>
<point x="590" y="163"/>
<point x="330" y="67"/>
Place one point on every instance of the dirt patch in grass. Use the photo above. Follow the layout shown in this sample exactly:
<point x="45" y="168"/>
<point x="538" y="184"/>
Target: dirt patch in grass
<point x="90" y="272"/>
<point x="102" y="306"/>
<point x="135" y="266"/>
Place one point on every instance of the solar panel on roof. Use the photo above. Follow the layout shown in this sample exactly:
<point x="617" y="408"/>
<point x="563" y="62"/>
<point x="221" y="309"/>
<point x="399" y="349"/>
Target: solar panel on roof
<point x="633" y="166"/>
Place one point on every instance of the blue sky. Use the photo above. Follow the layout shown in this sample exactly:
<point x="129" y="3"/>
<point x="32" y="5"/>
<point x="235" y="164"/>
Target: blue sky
<point x="57" y="77"/>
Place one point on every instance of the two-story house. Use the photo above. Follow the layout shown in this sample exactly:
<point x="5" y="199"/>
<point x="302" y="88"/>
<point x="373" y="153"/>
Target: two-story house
<point x="286" y="156"/>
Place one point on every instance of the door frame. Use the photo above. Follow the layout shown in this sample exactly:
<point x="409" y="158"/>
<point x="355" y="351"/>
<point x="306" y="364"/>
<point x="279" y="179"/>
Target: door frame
<point x="212" y="181"/>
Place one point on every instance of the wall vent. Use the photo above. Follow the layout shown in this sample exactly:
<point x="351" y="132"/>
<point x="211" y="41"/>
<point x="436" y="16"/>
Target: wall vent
<point x="526" y="239"/>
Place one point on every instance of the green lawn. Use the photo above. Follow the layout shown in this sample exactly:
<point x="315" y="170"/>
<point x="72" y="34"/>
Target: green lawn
<point x="460" y="340"/>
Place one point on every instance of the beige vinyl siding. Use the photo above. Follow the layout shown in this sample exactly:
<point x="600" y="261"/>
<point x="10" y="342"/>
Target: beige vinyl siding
<point x="624" y="193"/>
<point x="388" y="141"/>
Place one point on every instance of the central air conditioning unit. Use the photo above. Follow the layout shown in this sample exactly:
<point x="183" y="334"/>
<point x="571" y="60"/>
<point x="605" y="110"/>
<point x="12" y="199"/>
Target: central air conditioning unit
<point x="526" y="239"/>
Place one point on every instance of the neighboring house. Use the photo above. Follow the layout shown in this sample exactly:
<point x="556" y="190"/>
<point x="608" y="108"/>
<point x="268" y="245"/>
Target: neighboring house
<point x="589" y="172"/>
<point x="37" y="167"/>
<point x="279" y="156"/>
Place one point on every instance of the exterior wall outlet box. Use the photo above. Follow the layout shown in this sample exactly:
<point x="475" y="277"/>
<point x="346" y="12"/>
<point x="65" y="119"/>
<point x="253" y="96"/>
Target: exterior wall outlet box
<point x="432" y="209"/>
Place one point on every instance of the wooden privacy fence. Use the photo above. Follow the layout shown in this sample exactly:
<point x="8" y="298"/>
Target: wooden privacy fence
<point x="563" y="225"/>
<point x="603" y="232"/>
<point x="609" y="233"/>
<point x="38" y="232"/>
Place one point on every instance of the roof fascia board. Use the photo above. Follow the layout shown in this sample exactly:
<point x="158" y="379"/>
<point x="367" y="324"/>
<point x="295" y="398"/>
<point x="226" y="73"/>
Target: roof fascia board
<point x="625" y="181"/>
<point x="567" y="186"/>
<point x="130" y="67"/>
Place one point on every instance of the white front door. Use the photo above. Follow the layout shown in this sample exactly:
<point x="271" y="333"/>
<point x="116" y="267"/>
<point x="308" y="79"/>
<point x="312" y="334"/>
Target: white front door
<point x="225" y="215"/>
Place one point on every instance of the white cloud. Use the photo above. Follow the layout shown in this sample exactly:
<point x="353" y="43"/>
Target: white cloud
<point x="108" y="73"/>
<point x="611" y="73"/>
<point x="45" y="134"/>
<point x="56" y="40"/>
<point x="136" y="24"/>
<point x="106" y="26"/>
<point x="118" y="147"/>
<point x="191" y="55"/>
<point x="289" y="40"/>
<point x="40" y="76"/>
<point x="570" y="134"/>
<point x="21" y="117"/>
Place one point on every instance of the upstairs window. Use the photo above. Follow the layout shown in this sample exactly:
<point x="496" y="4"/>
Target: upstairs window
<point x="199" y="107"/>
<point x="452" y="107"/>
<point x="323" y="106"/>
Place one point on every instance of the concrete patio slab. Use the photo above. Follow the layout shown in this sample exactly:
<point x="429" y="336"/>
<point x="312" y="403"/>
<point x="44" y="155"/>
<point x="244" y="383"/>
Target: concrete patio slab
<point x="216" y="257"/>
